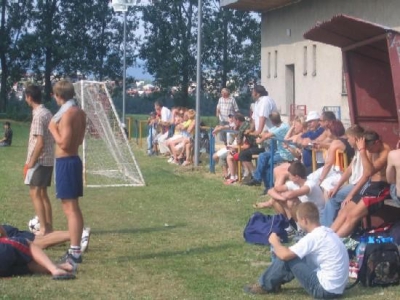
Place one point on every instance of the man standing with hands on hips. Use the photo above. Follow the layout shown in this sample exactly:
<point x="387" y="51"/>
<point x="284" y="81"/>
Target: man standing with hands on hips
<point x="68" y="129"/>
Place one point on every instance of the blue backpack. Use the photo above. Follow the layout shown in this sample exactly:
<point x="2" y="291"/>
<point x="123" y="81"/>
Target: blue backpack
<point x="260" y="226"/>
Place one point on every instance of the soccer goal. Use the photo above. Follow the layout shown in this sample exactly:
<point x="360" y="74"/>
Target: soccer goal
<point x="107" y="157"/>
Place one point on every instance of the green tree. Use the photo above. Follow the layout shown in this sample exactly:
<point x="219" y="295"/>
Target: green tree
<point x="232" y="46"/>
<point x="169" y="46"/>
<point x="14" y="25"/>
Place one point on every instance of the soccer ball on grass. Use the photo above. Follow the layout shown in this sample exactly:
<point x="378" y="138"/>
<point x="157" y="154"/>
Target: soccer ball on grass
<point x="34" y="225"/>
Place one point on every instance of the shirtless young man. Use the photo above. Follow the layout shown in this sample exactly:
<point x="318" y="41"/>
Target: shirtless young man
<point x="68" y="129"/>
<point x="393" y="174"/>
<point x="374" y="155"/>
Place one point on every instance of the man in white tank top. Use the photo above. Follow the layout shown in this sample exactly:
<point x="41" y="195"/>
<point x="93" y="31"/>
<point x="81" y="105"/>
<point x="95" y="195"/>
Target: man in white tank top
<point x="352" y="175"/>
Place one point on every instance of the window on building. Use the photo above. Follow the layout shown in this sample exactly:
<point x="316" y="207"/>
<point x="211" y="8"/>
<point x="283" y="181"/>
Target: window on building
<point x="305" y="61"/>
<point x="314" y="58"/>
<point x="344" y="86"/>
<point x="269" y="65"/>
<point x="276" y="64"/>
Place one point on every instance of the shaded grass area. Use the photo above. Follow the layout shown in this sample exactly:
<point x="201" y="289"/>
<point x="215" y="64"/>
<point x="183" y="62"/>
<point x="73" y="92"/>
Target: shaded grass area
<point x="180" y="237"/>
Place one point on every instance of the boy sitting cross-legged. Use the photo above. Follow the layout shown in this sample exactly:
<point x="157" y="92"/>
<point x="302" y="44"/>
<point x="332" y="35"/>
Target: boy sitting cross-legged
<point x="298" y="189"/>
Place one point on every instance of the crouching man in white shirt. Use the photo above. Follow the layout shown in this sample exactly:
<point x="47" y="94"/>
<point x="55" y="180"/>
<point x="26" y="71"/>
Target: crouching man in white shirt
<point x="319" y="261"/>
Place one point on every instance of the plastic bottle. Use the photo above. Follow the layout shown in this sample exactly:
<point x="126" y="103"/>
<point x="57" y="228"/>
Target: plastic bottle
<point x="360" y="251"/>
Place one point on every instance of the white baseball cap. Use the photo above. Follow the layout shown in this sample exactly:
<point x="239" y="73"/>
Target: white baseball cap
<point x="312" y="115"/>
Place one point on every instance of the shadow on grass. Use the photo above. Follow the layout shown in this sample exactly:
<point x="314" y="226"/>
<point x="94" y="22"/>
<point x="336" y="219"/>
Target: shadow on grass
<point x="139" y="230"/>
<point x="188" y="251"/>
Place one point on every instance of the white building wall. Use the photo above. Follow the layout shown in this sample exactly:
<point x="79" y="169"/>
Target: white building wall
<point x="282" y="32"/>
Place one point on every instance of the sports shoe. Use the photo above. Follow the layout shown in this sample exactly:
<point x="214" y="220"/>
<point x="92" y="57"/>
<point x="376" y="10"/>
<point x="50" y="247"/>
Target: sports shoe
<point x="253" y="182"/>
<point x="171" y="159"/>
<point x="68" y="257"/>
<point x="85" y="239"/>
<point x="254" y="289"/>
<point x="230" y="181"/>
<point x="290" y="231"/>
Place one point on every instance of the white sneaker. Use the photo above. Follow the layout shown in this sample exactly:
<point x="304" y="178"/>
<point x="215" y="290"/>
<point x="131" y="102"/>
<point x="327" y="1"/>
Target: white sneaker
<point x="171" y="159"/>
<point x="85" y="239"/>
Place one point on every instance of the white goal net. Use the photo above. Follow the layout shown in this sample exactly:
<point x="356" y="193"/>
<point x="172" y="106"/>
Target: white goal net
<point x="107" y="156"/>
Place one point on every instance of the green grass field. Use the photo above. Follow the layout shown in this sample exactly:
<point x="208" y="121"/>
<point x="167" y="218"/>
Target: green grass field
<point x="180" y="237"/>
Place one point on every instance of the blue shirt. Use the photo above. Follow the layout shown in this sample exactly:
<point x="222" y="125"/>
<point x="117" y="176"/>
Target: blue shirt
<point x="280" y="133"/>
<point x="307" y="153"/>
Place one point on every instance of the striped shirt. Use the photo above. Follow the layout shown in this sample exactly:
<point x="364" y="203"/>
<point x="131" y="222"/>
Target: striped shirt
<point x="41" y="118"/>
<point x="226" y="106"/>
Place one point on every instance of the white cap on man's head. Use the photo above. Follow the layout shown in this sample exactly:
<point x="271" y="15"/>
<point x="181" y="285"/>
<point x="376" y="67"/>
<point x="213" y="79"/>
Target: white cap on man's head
<point x="312" y="115"/>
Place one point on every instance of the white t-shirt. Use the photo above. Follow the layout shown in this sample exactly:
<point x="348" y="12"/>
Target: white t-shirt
<point x="324" y="250"/>
<point x="262" y="108"/>
<point x="315" y="195"/>
<point x="165" y="114"/>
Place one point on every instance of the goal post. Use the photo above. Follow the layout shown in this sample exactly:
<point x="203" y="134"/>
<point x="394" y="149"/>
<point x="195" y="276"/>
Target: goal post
<point x="107" y="156"/>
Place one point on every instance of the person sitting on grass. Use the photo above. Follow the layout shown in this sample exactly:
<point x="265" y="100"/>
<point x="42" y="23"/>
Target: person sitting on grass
<point x="319" y="261"/>
<point x="18" y="256"/>
<point x="297" y="189"/>
<point x="8" y="134"/>
<point x="370" y="198"/>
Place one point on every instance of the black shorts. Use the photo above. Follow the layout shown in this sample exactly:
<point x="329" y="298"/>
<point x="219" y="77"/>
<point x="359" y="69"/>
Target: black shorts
<point x="373" y="195"/>
<point x="247" y="154"/>
<point x="42" y="176"/>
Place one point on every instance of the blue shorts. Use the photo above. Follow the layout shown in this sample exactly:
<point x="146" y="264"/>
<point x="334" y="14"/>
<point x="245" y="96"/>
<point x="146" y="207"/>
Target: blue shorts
<point x="14" y="257"/>
<point x="69" y="180"/>
<point x="14" y="232"/>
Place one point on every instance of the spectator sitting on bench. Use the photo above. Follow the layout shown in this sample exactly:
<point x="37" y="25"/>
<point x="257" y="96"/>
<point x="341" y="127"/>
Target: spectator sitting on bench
<point x="299" y="126"/>
<point x="187" y="142"/>
<point x="370" y="198"/>
<point x="221" y="155"/>
<point x="297" y="189"/>
<point x="279" y="131"/>
<point x="312" y="134"/>
<point x="263" y="107"/>
<point x="326" y="121"/>
<point x="328" y="175"/>
<point x="8" y="135"/>
<point x="352" y="175"/>
<point x="186" y="128"/>
<point x="171" y="142"/>
<point x="243" y="141"/>
<point x="393" y="175"/>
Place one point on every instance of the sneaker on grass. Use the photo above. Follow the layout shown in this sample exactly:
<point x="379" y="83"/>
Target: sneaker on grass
<point x="85" y="239"/>
<point x="68" y="257"/>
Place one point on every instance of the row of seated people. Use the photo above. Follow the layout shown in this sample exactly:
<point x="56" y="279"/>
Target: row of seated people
<point x="238" y="153"/>
<point x="172" y="134"/>
<point x="343" y="198"/>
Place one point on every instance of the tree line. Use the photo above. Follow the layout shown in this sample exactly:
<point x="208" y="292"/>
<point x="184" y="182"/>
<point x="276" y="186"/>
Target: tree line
<point x="66" y="37"/>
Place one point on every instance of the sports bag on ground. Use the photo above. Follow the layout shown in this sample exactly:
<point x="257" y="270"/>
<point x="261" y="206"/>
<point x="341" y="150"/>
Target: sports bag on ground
<point x="380" y="264"/>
